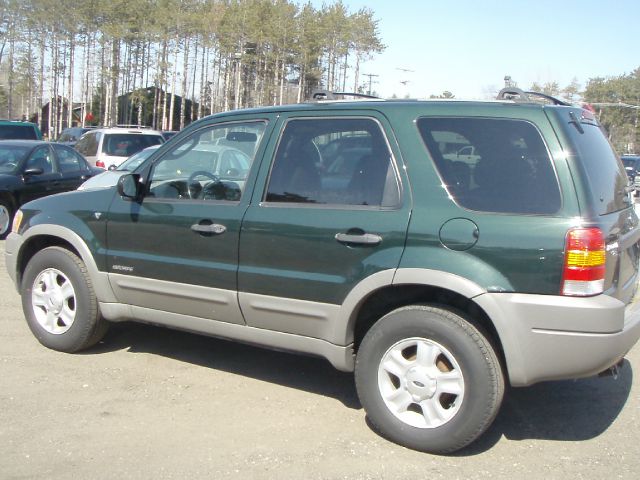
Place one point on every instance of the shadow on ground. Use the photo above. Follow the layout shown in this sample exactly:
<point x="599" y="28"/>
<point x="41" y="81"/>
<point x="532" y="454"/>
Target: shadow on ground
<point x="562" y="411"/>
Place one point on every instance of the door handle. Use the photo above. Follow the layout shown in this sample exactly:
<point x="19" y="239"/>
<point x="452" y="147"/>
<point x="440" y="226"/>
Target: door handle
<point x="360" y="239"/>
<point x="213" y="228"/>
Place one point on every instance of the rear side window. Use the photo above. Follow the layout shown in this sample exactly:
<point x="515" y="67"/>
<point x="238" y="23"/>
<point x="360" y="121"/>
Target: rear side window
<point x="333" y="161"/>
<point x="88" y="144"/>
<point x="493" y="165"/>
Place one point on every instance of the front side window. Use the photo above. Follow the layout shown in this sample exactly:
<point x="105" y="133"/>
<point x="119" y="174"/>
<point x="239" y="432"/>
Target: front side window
<point x="333" y="161"/>
<point x="40" y="159"/>
<point x="493" y="165"/>
<point x="212" y="164"/>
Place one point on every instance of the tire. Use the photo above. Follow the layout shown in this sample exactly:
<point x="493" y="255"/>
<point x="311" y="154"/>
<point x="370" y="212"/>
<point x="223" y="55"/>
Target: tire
<point x="59" y="302"/>
<point x="6" y="218"/>
<point x="447" y="383"/>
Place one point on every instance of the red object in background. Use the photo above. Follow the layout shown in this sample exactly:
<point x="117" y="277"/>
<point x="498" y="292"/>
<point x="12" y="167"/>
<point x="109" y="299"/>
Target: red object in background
<point x="89" y="117"/>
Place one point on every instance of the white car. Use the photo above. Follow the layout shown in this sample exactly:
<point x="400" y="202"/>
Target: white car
<point x="110" y="177"/>
<point x="104" y="147"/>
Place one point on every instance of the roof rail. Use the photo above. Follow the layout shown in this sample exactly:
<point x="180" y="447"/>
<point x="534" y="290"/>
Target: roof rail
<point x="518" y="95"/>
<point x="317" y="95"/>
<point x="129" y="126"/>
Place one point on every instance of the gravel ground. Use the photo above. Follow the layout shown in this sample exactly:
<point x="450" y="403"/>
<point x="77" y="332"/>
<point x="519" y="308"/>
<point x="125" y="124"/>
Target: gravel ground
<point x="150" y="403"/>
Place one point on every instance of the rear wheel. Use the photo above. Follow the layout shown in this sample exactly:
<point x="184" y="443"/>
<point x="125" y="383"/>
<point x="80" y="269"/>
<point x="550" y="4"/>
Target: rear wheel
<point x="428" y="379"/>
<point x="59" y="302"/>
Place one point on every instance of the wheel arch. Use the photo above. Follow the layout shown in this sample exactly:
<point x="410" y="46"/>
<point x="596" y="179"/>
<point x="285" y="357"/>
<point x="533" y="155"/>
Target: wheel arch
<point x="418" y="286"/>
<point x="42" y="236"/>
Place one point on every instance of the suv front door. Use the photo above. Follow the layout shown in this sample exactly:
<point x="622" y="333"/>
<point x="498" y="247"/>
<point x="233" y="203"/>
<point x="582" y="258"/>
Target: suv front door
<point x="176" y="250"/>
<point x="333" y="214"/>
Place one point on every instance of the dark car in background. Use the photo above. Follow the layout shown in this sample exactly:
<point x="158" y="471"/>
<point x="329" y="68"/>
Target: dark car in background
<point x="70" y="136"/>
<point x="31" y="169"/>
<point x="632" y="167"/>
<point x="18" y="130"/>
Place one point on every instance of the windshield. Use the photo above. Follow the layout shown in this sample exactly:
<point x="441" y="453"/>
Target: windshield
<point x="10" y="156"/>
<point x="133" y="162"/>
<point x="17" y="132"/>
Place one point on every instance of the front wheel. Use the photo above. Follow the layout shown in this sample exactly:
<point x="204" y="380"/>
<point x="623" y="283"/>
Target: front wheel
<point x="59" y="302"/>
<point x="6" y="218"/>
<point x="428" y="379"/>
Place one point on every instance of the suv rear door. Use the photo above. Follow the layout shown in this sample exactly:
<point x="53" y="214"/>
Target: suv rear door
<point x="604" y="194"/>
<point x="328" y="212"/>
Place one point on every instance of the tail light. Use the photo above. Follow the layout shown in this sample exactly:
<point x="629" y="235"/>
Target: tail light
<point x="584" y="262"/>
<point x="100" y="163"/>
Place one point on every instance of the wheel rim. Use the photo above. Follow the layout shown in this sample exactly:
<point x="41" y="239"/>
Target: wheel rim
<point x="421" y="383"/>
<point x="5" y="219"/>
<point x="53" y="300"/>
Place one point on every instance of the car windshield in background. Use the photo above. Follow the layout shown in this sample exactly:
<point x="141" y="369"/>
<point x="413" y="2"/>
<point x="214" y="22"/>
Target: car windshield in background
<point x="10" y="156"/>
<point x="18" y="132"/>
<point x="126" y="144"/>
<point x="133" y="162"/>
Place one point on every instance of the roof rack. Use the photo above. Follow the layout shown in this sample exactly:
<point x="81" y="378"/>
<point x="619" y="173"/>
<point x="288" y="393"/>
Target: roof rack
<point x="518" y="95"/>
<point x="317" y="95"/>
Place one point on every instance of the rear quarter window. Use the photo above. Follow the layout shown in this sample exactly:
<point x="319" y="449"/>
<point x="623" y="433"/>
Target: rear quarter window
<point x="493" y="165"/>
<point x="598" y="163"/>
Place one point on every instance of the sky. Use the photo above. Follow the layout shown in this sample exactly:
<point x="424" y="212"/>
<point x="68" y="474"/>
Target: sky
<point x="467" y="47"/>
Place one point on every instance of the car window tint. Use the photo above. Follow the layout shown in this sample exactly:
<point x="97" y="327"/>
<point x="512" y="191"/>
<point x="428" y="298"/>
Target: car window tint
<point x="344" y="161"/>
<point x="493" y="165"/>
<point x="40" y="158"/>
<point x="68" y="160"/>
<point x="204" y="168"/>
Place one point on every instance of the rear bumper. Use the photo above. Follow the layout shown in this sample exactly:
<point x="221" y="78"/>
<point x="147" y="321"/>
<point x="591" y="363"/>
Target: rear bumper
<point x="555" y="338"/>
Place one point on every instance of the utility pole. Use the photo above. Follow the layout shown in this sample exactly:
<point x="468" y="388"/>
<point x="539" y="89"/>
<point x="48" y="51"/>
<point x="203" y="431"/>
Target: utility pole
<point x="370" y="75"/>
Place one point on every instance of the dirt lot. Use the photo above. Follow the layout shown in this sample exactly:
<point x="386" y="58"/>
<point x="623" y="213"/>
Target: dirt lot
<point x="154" y="403"/>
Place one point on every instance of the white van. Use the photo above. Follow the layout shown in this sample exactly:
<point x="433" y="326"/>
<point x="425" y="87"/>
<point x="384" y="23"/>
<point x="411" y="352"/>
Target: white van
<point x="104" y="147"/>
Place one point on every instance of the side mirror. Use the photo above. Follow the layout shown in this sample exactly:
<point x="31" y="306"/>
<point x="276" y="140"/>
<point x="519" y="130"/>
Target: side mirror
<point x="129" y="187"/>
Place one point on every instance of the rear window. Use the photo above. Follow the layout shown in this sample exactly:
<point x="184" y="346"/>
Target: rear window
<point x="18" y="132"/>
<point x="493" y="165"/>
<point x="126" y="144"/>
<point x="600" y="165"/>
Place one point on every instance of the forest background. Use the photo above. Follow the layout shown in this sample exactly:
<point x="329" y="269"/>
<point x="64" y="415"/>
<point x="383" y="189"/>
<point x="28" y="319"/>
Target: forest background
<point x="165" y="63"/>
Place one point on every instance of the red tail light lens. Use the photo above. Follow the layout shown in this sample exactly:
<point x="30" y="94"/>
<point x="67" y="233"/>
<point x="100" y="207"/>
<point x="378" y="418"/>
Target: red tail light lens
<point x="584" y="262"/>
<point x="100" y="164"/>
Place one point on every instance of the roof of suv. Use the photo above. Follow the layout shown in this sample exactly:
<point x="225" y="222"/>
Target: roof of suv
<point x="127" y="129"/>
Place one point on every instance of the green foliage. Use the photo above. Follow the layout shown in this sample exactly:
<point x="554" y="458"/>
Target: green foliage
<point x="617" y="104"/>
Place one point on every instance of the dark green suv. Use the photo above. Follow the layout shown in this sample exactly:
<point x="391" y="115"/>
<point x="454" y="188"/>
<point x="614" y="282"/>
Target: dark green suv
<point x="438" y="249"/>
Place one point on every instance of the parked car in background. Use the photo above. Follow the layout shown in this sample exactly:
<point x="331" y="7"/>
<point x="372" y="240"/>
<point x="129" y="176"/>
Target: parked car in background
<point x="167" y="134"/>
<point x="30" y="169"/>
<point x="70" y="136"/>
<point x="104" y="147"/>
<point x="18" y="130"/>
<point x="632" y="167"/>
<point x="111" y="176"/>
